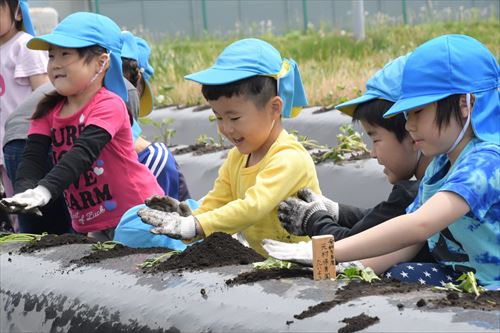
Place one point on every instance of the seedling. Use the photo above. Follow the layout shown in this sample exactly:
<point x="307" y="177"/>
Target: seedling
<point x="353" y="273"/>
<point x="468" y="284"/>
<point x="274" y="263"/>
<point x="165" y="127"/>
<point x="220" y="137"/>
<point x="306" y="142"/>
<point x="105" y="246"/>
<point x="151" y="262"/>
<point x="15" y="238"/>
<point x="350" y="146"/>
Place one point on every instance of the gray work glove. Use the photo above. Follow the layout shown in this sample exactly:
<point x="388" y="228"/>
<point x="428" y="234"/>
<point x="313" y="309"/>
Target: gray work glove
<point x="27" y="202"/>
<point x="170" y="224"/>
<point x="294" y="214"/>
<point x="332" y="207"/>
<point x="168" y="204"/>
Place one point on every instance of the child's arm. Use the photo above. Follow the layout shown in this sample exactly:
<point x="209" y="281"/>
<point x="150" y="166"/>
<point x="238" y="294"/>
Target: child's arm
<point x="37" y="80"/>
<point x="437" y="213"/>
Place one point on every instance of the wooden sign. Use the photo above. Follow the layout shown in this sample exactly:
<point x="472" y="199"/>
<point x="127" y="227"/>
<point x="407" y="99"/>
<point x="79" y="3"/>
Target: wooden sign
<point x="323" y="257"/>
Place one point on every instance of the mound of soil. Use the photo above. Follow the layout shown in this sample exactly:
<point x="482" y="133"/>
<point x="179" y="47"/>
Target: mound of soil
<point x="357" y="323"/>
<point x="199" y="149"/>
<point x="117" y="251"/>
<point x="56" y="240"/>
<point x="269" y="274"/>
<point x="218" y="249"/>
<point x="488" y="301"/>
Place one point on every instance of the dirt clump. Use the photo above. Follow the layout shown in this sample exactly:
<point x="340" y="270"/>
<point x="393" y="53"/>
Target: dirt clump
<point x="48" y="241"/>
<point x="269" y="274"/>
<point x="117" y="251"/>
<point x="218" y="249"/>
<point x="199" y="149"/>
<point x="357" y="323"/>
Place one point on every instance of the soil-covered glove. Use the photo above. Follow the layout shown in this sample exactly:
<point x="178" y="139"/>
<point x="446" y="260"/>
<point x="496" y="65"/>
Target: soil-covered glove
<point x="170" y="224"/>
<point x="27" y="202"/>
<point x="294" y="214"/>
<point x="332" y="207"/>
<point x="168" y="204"/>
<point x="301" y="252"/>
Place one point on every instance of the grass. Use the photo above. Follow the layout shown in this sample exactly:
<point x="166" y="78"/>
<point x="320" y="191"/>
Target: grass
<point x="334" y="67"/>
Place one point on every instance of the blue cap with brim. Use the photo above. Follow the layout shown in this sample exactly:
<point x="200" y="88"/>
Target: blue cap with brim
<point x="250" y="57"/>
<point x="384" y="84"/>
<point x="138" y="49"/>
<point x="448" y="65"/>
<point x="84" y="29"/>
<point x="25" y="12"/>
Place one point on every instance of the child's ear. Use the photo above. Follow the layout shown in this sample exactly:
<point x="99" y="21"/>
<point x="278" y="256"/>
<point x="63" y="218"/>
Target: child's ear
<point x="18" y="16"/>
<point x="276" y="104"/>
<point x="103" y="60"/>
<point x="463" y="104"/>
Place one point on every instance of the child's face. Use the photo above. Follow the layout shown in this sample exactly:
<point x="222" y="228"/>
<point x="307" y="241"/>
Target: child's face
<point x="68" y="72"/>
<point x="7" y="26"/>
<point x="398" y="158"/>
<point x="421" y="124"/>
<point x="248" y="127"/>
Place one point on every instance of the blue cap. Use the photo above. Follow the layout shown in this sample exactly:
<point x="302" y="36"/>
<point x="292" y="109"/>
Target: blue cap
<point x="25" y="13"/>
<point x="138" y="49"/>
<point x="250" y="57"/>
<point x="384" y="84"/>
<point x="84" y="29"/>
<point x="448" y="65"/>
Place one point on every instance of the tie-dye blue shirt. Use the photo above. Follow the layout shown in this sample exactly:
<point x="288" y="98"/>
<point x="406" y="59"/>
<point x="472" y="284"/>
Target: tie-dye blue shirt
<point x="471" y="243"/>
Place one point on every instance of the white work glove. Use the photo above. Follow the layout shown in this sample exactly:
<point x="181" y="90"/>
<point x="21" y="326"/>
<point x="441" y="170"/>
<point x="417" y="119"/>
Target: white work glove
<point x="296" y="252"/>
<point x="170" y="224"/>
<point x="168" y="204"/>
<point x="28" y="201"/>
<point x="332" y="207"/>
<point x="300" y="253"/>
<point x="294" y="214"/>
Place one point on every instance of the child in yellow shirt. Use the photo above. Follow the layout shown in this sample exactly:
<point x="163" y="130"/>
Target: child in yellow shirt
<point x="249" y="88"/>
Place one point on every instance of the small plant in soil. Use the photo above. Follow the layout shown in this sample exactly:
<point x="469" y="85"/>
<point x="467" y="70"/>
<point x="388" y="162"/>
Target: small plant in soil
<point x="151" y="262"/>
<point x="271" y="262"/>
<point x="308" y="144"/>
<point x="105" y="246"/>
<point x="15" y="238"/>
<point x="353" y="273"/>
<point x="350" y="147"/>
<point x="165" y="127"/>
<point x="468" y="284"/>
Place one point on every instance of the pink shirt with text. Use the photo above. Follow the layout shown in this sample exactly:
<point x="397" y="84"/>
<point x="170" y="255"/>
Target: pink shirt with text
<point x="116" y="181"/>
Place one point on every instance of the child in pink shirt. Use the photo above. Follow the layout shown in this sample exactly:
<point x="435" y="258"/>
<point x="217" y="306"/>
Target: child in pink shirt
<point x="89" y="130"/>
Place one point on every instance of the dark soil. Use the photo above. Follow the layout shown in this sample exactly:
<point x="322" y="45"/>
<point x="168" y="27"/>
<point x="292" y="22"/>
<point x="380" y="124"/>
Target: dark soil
<point x="202" y="108"/>
<point x="357" y="323"/>
<point x="218" y="249"/>
<point x="56" y="240"/>
<point x="199" y="149"/>
<point x="488" y="301"/>
<point x="118" y="251"/>
<point x="324" y="109"/>
<point x="269" y="274"/>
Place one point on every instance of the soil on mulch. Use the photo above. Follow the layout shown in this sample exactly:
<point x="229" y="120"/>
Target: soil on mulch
<point x="269" y="274"/>
<point x="488" y="301"/>
<point x="56" y="240"/>
<point x="357" y="323"/>
<point x="117" y="251"/>
<point x="324" y="109"/>
<point x="218" y="249"/>
<point x="199" y="149"/>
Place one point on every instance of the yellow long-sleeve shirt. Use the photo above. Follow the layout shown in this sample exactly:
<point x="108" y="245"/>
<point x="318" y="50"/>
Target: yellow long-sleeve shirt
<point x="245" y="199"/>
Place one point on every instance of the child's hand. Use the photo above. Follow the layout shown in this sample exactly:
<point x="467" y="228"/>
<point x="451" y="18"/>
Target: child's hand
<point x="27" y="202"/>
<point x="332" y="207"/>
<point x="294" y="213"/>
<point x="296" y="252"/>
<point x="170" y="224"/>
<point x="168" y="204"/>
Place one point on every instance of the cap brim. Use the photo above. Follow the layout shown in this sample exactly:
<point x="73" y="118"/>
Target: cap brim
<point x="214" y="76"/>
<point x="410" y="103"/>
<point x="44" y="42"/>
<point x="146" y="100"/>
<point x="349" y="106"/>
